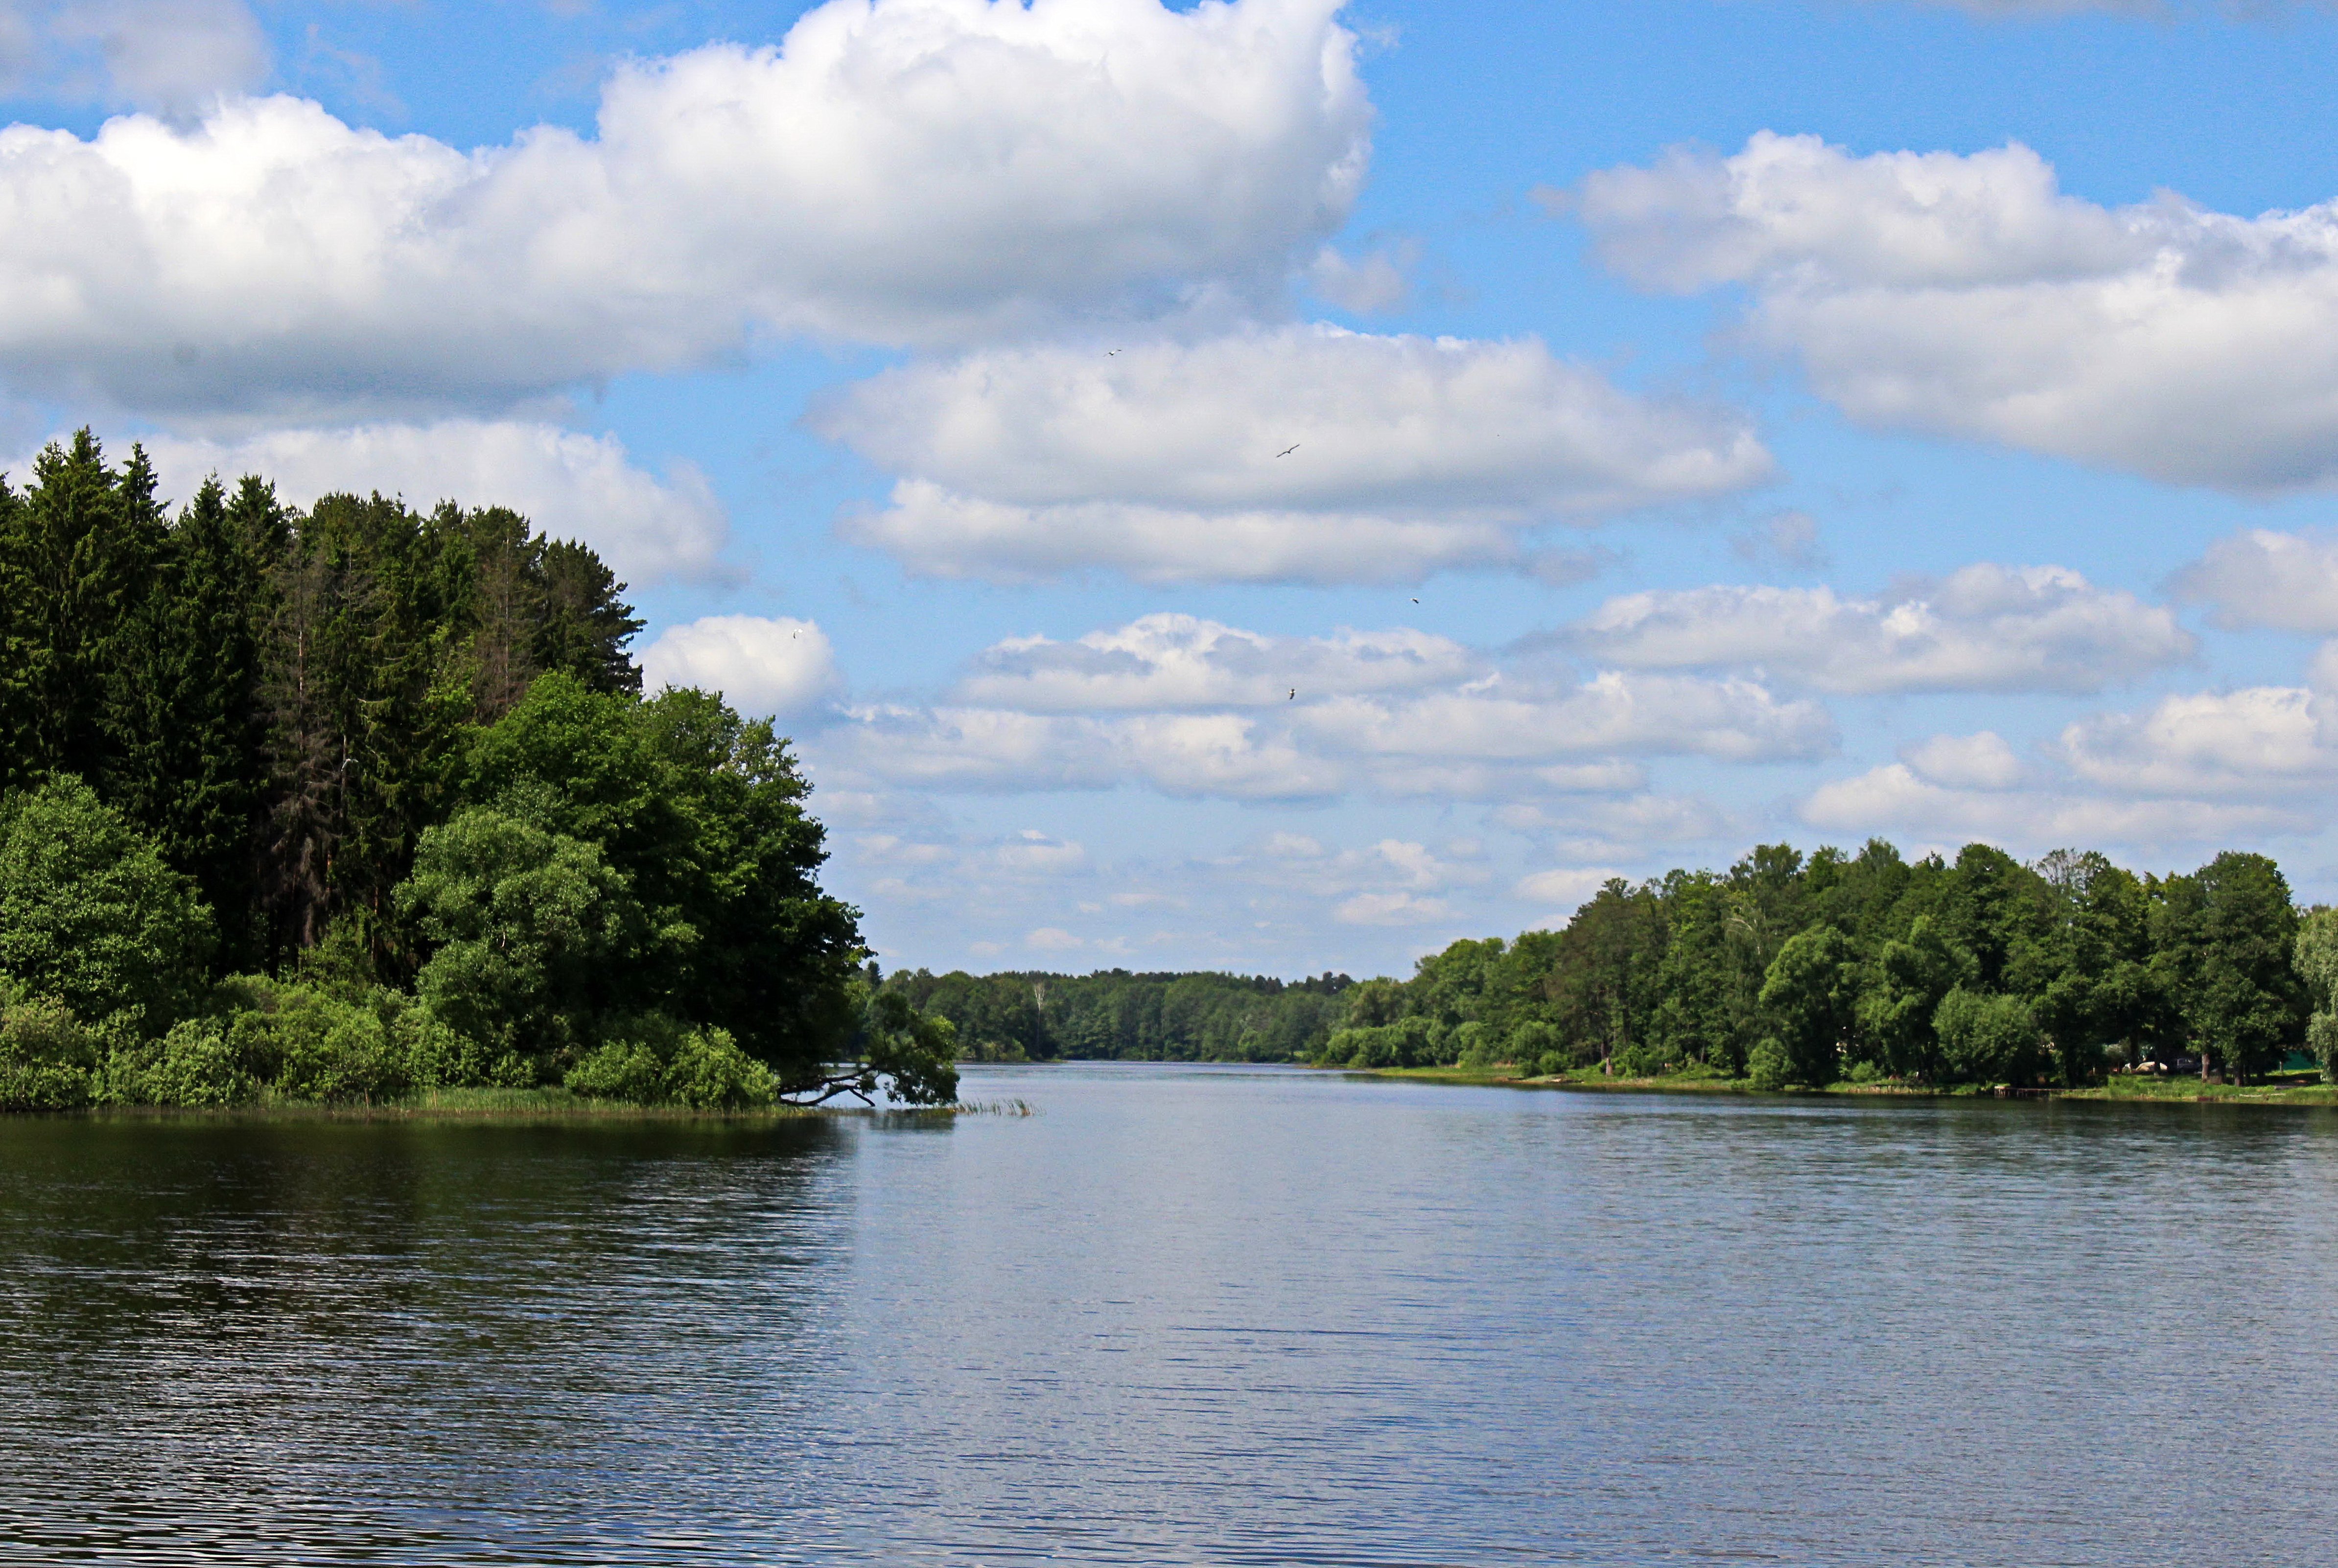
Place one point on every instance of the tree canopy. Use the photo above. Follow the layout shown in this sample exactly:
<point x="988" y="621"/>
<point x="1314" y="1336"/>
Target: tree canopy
<point x="1808" y="970"/>
<point x="357" y="799"/>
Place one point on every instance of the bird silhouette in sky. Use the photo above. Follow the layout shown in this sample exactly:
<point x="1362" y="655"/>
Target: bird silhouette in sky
<point x="1110" y="352"/>
<point x="1287" y="451"/>
<point x="1416" y="601"/>
<point x="1294" y="695"/>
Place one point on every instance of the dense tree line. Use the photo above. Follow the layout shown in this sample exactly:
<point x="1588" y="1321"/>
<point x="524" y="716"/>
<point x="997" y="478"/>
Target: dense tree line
<point x="358" y="799"/>
<point x="1114" y="1015"/>
<point x="1867" y="966"/>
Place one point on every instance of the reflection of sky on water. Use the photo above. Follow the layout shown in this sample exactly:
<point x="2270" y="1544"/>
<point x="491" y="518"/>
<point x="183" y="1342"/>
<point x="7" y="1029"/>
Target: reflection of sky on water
<point x="1211" y="1316"/>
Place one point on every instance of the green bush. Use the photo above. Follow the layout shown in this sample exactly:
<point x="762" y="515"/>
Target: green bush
<point x="1767" y="1065"/>
<point x="192" y="1065"/>
<point x="529" y="928"/>
<point x="624" y="1069"/>
<point x="1988" y="1039"/>
<point x="92" y="914"/>
<point x="305" y="1044"/>
<point x="1473" y="1047"/>
<point x="669" y="1064"/>
<point x="1643" y="1059"/>
<point x="48" y="1060"/>
<point x="710" y="1073"/>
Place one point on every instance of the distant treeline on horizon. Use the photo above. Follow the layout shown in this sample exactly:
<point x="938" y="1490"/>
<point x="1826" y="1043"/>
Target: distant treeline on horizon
<point x="1033" y="1015"/>
<point x="1786" y="969"/>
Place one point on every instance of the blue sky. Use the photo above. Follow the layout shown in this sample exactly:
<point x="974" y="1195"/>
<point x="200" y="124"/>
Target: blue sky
<point x="1715" y="421"/>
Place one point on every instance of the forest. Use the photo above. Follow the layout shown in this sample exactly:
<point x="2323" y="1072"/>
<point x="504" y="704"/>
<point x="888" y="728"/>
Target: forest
<point x="358" y="801"/>
<point x="1868" y="967"/>
<point x="1114" y="1015"/>
<point x="1786" y="970"/>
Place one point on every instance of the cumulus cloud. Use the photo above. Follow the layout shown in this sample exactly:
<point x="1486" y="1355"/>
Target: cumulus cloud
<point x="778" y="667"/>
<point x="1967" y="295"/>
<point x="2190" y="769"/>
<point x="1893" y="799"/>
<point x="1167" y="661"/>
<point x="649" y="528"/>
<point x="2262" y="578"/>
<point x="168" y="55"/>
<point x="1982" y="762"/>
<point x="2257" y="740"/>
<point x="1565" y="887"/>
<point x="1984" y="628"/>
<point x="895" y="170"/>
<point x="1304" y="453"/>
<point x="1195" y="708"/>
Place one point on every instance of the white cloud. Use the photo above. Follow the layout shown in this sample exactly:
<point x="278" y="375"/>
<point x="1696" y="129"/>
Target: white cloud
<point x="778" y="667"/>
<point x="1984" y="628"/>
<point x="1893" y="799"/>
<point x="2258" y="741"/>
<point x="901" y="170"/>
<point x="1367" y="284"/>
<point x="1612" y="713"/>
<point x="2259" y="577"/>
<point x="1390" y="910"/>
<point x="571" y="485"/>
<point x="1566" y="887"/>
<point x="171" y="55"/>
<point x="1167" y="661"/>
<point x="1195" y="708"/>
<point x="1304" y="453"/>
<point x="2188" y="770"/>
<point x="1968" y="296"/>
<point x="1981" y="762"/>
<point x="936" y="533"/>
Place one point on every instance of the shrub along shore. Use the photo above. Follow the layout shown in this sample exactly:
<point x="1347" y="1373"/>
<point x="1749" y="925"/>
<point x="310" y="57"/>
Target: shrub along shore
<point x="361" y="805"/>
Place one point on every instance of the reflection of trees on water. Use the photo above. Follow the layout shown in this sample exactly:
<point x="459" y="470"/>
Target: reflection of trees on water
<point x="382" y="1309"/>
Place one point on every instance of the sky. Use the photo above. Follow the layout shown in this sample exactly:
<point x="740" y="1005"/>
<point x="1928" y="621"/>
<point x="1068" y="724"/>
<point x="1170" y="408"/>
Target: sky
<point x="1275" y="485"/>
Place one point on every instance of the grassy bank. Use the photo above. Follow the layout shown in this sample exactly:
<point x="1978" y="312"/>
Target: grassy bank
<point x="2291" y="1090"/>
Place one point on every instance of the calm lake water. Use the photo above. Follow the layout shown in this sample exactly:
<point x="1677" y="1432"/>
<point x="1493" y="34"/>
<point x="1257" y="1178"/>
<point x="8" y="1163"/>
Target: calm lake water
<point x="1205" y="1316"/>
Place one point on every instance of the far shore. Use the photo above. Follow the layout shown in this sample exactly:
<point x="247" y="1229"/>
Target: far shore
<point x="2286" y="1089"/>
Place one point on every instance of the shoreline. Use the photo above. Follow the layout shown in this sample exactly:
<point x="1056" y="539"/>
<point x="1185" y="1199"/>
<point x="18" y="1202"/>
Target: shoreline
<point x="2119" y="1091"/>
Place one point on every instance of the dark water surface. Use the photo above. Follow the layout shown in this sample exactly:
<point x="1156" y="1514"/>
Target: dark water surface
<point x="1181" y="1315"/>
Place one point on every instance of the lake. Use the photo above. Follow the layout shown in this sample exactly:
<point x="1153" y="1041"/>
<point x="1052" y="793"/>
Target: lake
<point x="1181" y="1316"/>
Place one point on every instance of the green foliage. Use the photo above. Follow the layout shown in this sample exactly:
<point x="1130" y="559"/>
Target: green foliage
<point x="701" y="814"/>
<point x="665" y="1064"/>
<point x="2226" y="940"/>
<point x="1844" y="967"/>
<point x="1988" y="1038"/>
<point x="627" y="1070"/>
<point x="1904" y="986"/>
<point x="48" y="1061"/>
<point x="91" y="914"/>
<point x="193" y="1065"/>
<point x="2316" y="958"/>
<point x="1811" y="993"/>
<point x="914" y="1053"/>
<point x="1114" y="1015"/>
<point x="528" y="927"/>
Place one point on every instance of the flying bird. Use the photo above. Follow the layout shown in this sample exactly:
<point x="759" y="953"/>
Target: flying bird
<point x="1294" y="695"/>
<point x="1110" y="352"/>
<point x="1287" y="451"/>
<point x="1416" y="601"/>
